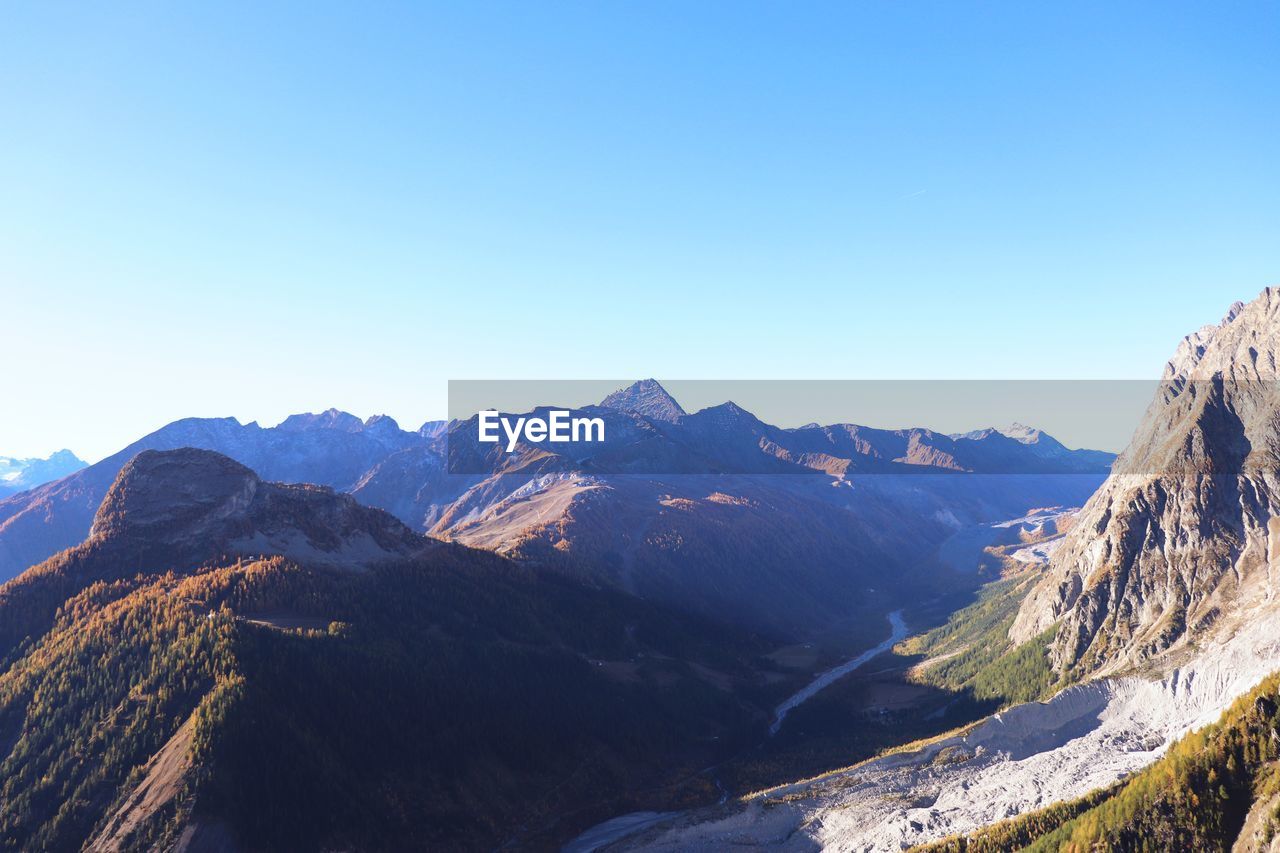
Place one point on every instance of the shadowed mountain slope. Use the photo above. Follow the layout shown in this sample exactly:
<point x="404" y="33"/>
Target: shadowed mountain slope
<point x="237" y="664"/>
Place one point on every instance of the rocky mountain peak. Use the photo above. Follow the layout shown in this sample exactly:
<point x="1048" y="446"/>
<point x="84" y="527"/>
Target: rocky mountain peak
<point x="1242" y="346"/>
<point x="1031" y="436"/>
<point x="1022" y="432"/>
<point x="207" y="504"/>
<point x="646" y="397"/>
<point x="728" y="412"/>
<point x="174" y="492"/>
<point x="1178" y="543"/>
<point x="433" y="429"/>
<point x="381" y="423"/>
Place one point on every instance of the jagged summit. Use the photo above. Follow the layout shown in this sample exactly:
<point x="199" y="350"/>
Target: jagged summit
<point x="726" y="414"/>
<point x="328" y="419"/>
<point x="1026" y="434"/>
<point x="1182" y="540"/>
<point x="1242" y="346"/>
<point x="646" y="397"/>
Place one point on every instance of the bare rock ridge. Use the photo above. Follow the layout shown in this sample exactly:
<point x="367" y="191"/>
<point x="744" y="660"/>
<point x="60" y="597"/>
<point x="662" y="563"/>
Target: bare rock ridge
<point x="1182" y="540"/>
<point x="328" y="419"/>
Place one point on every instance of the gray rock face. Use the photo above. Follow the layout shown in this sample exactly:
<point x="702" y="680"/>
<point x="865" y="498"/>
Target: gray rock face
<point x="1183" y="539"/>
<point x="174" y="494"/>
<point x="647" y="398"/>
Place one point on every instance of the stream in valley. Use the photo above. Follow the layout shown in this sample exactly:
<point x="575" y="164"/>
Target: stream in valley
<point x="620" y="827"/>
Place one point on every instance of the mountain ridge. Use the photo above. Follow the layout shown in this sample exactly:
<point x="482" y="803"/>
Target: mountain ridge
<point x="49" y="518"/>
<point x="408" y="473"/>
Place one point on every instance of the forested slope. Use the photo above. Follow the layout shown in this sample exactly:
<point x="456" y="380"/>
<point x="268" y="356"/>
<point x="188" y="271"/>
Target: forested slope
<point x="437" y="697"/>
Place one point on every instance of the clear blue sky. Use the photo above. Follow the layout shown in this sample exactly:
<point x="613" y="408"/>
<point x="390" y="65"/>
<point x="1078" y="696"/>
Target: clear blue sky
<point x="234" y="210"/>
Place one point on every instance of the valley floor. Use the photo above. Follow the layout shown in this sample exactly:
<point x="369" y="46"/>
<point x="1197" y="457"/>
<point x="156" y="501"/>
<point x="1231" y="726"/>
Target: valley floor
<point x="1086" y="737"/>
<point x="852" y="710"/>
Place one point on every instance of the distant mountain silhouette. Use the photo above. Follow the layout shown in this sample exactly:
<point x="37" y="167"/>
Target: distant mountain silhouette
<point x="647" y="398"/>
<point x="18" y="475"/>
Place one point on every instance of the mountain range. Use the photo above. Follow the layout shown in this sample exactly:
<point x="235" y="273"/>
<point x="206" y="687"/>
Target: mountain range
<point x="330" y="449"/>
<point x="228" y="663"/>
<point x="744" y="501"/>
<point x="18" y="475"/>
<point x="559" y="636"/>
<point x="196" y="623"/>
<point x="338" y="634"/>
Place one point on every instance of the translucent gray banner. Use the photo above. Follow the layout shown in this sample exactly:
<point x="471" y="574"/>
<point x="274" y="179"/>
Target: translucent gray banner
<point x="838" y="428"/>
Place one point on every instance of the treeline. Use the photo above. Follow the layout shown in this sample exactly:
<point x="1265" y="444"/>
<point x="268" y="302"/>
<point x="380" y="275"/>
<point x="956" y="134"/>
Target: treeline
<point x="1018" y="833"/>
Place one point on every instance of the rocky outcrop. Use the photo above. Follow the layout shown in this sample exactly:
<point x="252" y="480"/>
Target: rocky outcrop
<point x="206" y="501"/>
<point x="331" y="448"/>
<point x="1179" y="542"/>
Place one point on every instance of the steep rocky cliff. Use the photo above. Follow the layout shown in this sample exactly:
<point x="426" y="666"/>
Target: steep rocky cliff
<point x="1180" y="543"/>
